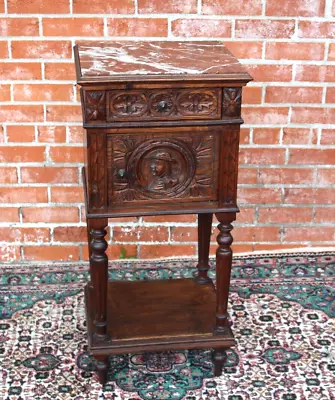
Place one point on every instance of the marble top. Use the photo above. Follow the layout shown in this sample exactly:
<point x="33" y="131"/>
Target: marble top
<point x="112" y="60"/>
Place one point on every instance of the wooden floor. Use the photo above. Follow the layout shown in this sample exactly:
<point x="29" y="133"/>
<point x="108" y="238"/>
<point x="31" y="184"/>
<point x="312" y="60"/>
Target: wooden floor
<point x="160" y="314"/>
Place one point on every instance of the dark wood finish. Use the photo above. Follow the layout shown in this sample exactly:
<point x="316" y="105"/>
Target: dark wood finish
<point x="161" y="104"/>
<point x="144" y="314"/>
<point x="162" y="167"/>
<point x="223" y="268"/>
<point x="99" y="275"/>
<point x="169" y="104"/>
<point x="96" y="156"/>
<point x="229" y="166"/>
<point x="95" y="105"/>
<point x="88" y="229"/>
<point x="174" y="208"/>
<point x="168" y="123"/>
<point x="146" y="310"/>
<point x="204" y="237"/>
<point x="162" y="138"/>
<point x="166" y="104"/>
<point x="102" y="367"/>
<point x="219" y="358"/>
<point x="119" y="171"/>
<point x="232" y="100"/>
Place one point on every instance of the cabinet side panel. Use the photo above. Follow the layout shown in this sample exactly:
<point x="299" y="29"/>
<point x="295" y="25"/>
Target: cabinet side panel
<point x="229" y="164"/>
<point x="85" y="155"/>
<point x="97" y="177"/>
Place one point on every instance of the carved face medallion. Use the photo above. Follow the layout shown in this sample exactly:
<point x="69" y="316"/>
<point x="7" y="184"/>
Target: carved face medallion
<point x="161" y="168"/>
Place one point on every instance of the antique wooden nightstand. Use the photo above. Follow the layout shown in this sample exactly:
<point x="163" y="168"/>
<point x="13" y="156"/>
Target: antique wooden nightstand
<point x="162" y="122"/>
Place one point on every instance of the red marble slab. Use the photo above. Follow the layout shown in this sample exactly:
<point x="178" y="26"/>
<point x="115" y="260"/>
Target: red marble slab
<point x="107" y="61"/>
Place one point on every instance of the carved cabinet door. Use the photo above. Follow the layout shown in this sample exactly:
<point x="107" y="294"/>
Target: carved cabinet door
<point x="159" y="166"/>
<point x="163" y="167"/>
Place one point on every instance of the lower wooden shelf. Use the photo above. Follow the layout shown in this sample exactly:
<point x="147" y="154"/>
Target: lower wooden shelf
<point x="157" y="315"/>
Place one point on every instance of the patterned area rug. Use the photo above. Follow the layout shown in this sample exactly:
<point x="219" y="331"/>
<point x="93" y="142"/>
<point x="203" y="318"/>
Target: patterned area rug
<point x="282" y="309"/>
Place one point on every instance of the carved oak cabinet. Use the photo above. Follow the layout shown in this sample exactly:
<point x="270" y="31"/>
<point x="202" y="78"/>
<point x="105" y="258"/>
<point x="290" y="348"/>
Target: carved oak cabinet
<point x="162" y="122"/>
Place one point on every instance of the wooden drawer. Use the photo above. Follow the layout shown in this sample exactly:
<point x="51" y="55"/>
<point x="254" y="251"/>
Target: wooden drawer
<point x="151" y="105"/>
<point x="163" y="104"/>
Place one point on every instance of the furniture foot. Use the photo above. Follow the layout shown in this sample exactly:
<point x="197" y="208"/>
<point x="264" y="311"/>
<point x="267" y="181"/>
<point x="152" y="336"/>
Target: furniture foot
<point x="219" y="358"/>
<point x="223" y="269"/>
<point x="99" y="274"/>
<point x="204" y="237"/>
<point x="102" y="368"/>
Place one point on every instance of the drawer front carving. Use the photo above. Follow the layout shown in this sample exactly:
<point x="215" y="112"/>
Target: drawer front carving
<point x="162" y="167"/>
<point x="198" y="103"/>
<point x="151" y="105"/>
<point x="126" y="104"/>
<point x="163" y="104"/>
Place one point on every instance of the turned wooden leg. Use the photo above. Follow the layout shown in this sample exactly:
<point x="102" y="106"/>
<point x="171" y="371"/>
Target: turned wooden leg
<point x="89" y="238"/>
<point x="204" y="237"/>
<point x="223" y="269"/>
<point x="102" y="368"/>
<point x="99" y="274"/>
<point x="219" y="358"/>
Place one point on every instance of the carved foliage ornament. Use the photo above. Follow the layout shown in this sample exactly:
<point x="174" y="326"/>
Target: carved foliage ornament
<point x="232" y="98"/>
<point x="157" y="104"/>
<point x="95" y="105"/>
<point x="160" y="103"/>
<point x="128" y="104"/>
<point x="197" y="102"/>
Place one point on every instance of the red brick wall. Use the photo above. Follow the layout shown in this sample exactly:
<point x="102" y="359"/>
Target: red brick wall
<point x="287" y="178"/>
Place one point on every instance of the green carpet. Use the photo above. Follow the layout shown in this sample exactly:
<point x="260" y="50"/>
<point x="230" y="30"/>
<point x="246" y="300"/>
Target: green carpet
<point x="282" y="308"/>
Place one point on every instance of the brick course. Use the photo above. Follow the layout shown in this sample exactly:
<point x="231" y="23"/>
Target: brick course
<point x="287" y="173"/>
